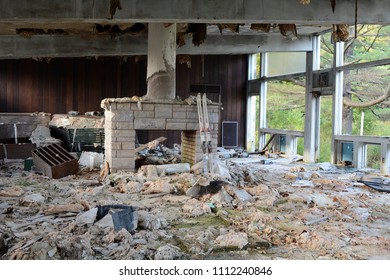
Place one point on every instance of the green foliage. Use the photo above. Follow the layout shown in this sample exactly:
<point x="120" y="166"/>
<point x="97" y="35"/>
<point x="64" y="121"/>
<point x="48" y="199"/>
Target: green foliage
<point x="373" y="156"/>
<point x="371" y="43"/>
<point x="285" y="107"/>
<point x="325" y="129"/>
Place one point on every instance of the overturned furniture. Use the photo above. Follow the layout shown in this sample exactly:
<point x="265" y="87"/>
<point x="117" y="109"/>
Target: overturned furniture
<point x="54" y="161"/>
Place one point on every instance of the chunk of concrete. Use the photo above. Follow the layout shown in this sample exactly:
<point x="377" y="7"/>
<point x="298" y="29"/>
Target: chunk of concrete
<point x="233" y="239"/>
<point x="159" y="186"/>
<point x="130" y="187"/>
<point x="197" y="168"/>
<point x="327" y="166"/>
<point x="222" y="198"/>
<point x="151" y="172"/>
<point x="194" y="191"/>
<point x="149" y="221"/>
<point x="221" y="168"/>
<point x="240" y="194"/>
<point x="195" y="208"/>
<point x="87" y="218"/>
<point x="303" y="184"/>
<point x="105" y="222"/>
<point x="168" y="252"/>
<point x="290" y="176"/>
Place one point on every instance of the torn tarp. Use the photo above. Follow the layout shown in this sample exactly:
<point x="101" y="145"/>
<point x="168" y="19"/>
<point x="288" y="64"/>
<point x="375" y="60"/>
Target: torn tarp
<point x="380" y="187"/>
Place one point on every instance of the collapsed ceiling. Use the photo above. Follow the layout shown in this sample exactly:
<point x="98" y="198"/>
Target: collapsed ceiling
<point x="203" y="27"/>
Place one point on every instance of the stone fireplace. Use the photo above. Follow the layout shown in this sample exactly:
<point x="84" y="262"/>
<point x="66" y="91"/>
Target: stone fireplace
<point x="123" y="117"/>
<point x="159" y="109"/>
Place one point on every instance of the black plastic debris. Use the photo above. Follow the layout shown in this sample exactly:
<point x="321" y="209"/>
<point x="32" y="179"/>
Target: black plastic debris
<point x="123" y="216"/>
<point x="380" y="187"/>
<point x="213" y="188"/>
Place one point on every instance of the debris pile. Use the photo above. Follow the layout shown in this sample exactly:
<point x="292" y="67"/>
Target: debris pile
<point x="156" y="153"/>
<point x="260" y="211"/>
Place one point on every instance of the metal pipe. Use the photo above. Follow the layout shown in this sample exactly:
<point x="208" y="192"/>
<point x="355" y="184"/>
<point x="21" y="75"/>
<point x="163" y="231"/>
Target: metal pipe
<point x="16" y="133"/>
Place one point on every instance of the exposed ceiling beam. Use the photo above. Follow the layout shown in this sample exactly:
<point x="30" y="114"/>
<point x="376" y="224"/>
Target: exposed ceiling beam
<point x="205" y="11"/>
<point x="15" y="46"/>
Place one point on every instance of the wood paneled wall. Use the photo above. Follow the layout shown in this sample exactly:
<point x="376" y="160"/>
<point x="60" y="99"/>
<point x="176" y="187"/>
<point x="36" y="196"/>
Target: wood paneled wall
<point x="65" y="84"/>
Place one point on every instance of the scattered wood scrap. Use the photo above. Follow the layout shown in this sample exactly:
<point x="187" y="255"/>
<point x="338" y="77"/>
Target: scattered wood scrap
<point x="150" y="144"/>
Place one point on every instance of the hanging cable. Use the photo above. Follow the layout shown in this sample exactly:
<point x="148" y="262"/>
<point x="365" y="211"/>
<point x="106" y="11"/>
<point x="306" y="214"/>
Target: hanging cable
<point x="356" y="11"/>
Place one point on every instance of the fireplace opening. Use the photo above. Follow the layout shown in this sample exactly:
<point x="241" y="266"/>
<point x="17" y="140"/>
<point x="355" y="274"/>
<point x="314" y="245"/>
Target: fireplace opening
<point x="145" y="136"/>
<point x="178" y="147"/>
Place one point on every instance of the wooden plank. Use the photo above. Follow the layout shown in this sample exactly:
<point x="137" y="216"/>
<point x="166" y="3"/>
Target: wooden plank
<point x="3" y="89"/>
<point x="268" y="142"/>
<point x="142" y="147"/>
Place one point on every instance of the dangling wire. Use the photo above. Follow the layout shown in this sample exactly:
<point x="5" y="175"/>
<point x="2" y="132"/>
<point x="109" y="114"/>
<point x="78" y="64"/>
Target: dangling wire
<point x="356" y="11"/>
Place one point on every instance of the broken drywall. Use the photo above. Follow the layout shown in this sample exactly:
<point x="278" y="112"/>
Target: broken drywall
<point x="261" y="212"/>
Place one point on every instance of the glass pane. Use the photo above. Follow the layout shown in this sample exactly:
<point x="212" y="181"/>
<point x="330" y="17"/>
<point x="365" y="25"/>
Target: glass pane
<point x="283" y="63"/>
<point x="286" y="104"/>
<point x="361" y="88"/>
<point x="327" y="50"/>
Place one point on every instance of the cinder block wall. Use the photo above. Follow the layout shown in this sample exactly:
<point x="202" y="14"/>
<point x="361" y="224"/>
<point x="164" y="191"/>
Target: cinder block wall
<point x="124" y="116"/>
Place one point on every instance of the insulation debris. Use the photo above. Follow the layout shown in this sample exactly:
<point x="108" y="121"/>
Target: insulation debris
<point x="262" y="211"/>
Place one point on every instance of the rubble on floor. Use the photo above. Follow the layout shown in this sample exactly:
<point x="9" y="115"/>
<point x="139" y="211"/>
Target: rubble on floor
<point x="158" y="154"/>
<point x="281" y="210"/>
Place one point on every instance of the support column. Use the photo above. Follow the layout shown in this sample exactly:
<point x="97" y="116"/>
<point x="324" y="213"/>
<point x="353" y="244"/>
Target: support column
<point x="385" y="157"/>
<point x="359" y="154"/>
<point x="291" y="145"/>
<point x="312" y="106"/>
<point x="161" y="74"/>
<point x="251" y="107"/>
<point x="251" y="124"/>
<point x="263" y="99"/>
<point x="337" y="112"/>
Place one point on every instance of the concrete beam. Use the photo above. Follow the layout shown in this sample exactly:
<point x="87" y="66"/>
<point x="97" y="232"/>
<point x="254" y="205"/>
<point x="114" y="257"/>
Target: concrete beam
<point x="216" y="11"/>
<point x="161" y="69"/>
<point x="16" y="47"/>
<point x="247" y="44"/>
